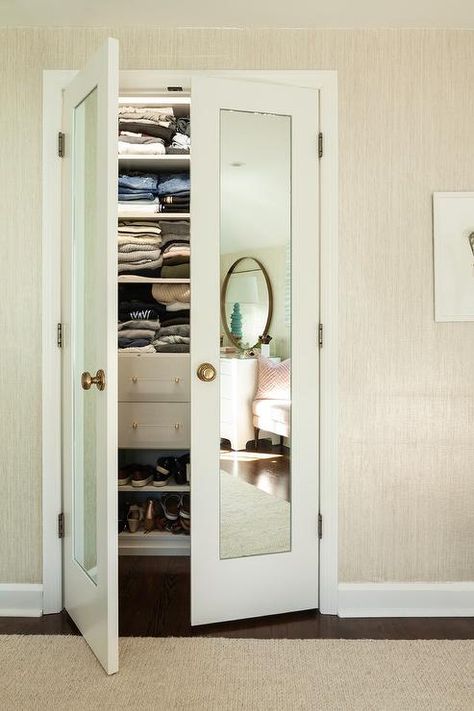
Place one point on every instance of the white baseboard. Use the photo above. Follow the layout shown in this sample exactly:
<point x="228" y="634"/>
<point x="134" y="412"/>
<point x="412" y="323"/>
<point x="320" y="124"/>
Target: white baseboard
<point x="406" y="599"/>
<point x="21" y="600"/>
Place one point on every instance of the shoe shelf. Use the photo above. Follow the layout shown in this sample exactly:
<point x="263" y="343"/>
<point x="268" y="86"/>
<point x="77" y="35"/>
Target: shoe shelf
<point x="170" y="162"/>
<point x="153" y="543"/>
<point x="155" y="216"/>
<point x="154" y="489"/>
<point x="151" y="280"/>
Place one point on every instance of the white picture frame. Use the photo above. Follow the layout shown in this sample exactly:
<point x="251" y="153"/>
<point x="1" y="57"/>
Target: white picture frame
<point x="453" y="236"/>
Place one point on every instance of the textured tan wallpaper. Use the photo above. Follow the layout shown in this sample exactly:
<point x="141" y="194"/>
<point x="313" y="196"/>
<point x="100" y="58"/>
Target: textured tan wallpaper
<point x="406" y="383"/>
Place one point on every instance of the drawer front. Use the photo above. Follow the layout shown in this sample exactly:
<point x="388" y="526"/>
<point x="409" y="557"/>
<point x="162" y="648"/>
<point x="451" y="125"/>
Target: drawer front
<point x="226" y="386"/>
<point x="146" y="425"/>
<point x="226" y="366"/>
<point x="227" y="413"/>
<point x="153" y="378"/>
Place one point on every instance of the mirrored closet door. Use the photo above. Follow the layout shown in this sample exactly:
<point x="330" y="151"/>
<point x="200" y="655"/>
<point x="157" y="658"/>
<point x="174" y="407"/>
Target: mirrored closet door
<point x="254" y="351"/>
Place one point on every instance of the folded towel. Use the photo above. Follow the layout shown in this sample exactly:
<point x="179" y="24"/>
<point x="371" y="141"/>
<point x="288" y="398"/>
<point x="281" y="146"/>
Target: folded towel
<point x="172" y="348"/>
<point x="135" y="209"/>
<point x="145" y="263"/>
<point x="170" y="293"/>
<point x="142" y="227"/>
<point x="137" y="333"/>
<point x="129" y="137"/>
<point x="133" y="342"/>
<point x="174" y="227"/>
<point x="148" y="149"/>
<point x="178" y="306"/>
<point x="128" y="247"/>
<point x="139" y="349"/>
<point x="175" y="271"/>
<point x="178" y="330"/>
<point x="150" y="324"/>
<point x="141" y="255"/>
<point x="149" y="113"/>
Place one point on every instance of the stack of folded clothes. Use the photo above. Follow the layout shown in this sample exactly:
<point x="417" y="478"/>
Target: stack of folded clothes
<point x="137" y="193"/>
<point x="139" y="318"/>
<point x="181" y="141"/>
<point x="152" y="130"/>
<point x="154" y="318"/>
<point x="145" y="130"/>
<point x="142" y="194"/>
<point x="175" y="249"/>
<point x="173" y="192"/>
<point x="139" y="253"/>
<point x="173" y="336"/>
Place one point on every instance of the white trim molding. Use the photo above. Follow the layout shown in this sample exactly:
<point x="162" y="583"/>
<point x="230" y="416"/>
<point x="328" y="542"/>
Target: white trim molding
<point x="21" y="600"/>
<point x="53" y="84"/>
<point x="325" y="81"/>
<point x="406" y="599"/>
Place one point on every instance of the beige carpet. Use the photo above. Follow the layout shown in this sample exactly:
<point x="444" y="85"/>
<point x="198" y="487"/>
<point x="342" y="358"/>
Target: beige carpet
<point x="54" y="672"/>
<point x="252" y="521"/>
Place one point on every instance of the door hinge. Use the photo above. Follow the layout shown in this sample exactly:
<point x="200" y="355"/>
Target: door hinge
<point x="61" y="525"/>
<point x="320" y="526"/>
<point x="320" y="145"/>
<point x="59" y="335"/>
<point x="61" y="144"/>
<point x="321" y="335"/>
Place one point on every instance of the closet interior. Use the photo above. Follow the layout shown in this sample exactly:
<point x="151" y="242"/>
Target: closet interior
<point x="154" y="282"/>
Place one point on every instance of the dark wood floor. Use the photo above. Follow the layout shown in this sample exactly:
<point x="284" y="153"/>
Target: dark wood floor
<point x="268" y="469"/>
<point x="155" y="602"/>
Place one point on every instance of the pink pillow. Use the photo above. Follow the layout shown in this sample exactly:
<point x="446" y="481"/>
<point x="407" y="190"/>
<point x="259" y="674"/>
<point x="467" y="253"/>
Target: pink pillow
<point x="273" y="380"/>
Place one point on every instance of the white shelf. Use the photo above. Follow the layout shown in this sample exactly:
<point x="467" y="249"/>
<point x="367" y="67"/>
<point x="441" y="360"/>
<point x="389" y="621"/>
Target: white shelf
<point x="124" y="354"/>
<point x="153" y="543"/>
<point x="155" y="216"/>
<point x="154" y="163"/>
<point x="151" y="280"/>
<point x="171" y="487"/>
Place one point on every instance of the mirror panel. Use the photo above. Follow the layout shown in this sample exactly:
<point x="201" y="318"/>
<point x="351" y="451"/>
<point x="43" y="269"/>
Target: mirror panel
<point x="86" y="282"/>
<point x="255" y="383"/>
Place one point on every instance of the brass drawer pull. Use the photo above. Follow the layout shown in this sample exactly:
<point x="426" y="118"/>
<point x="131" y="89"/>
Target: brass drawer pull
<point x="176" y="380"/>
<point x="136" y="425"/>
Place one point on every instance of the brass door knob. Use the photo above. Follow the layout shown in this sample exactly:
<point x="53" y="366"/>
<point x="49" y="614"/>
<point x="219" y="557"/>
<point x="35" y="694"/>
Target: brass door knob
<point x="206" y="372"/>
<point x="88" y="380"/>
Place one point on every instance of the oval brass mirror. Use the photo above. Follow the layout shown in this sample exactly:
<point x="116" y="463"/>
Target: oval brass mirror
<point x="246" y="302"/>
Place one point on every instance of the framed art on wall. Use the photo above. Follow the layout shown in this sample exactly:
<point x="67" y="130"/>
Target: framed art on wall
<point x="453" y="215"/>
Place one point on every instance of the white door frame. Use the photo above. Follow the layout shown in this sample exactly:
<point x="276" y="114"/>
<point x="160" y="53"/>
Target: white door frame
<point x="54" y="81"/>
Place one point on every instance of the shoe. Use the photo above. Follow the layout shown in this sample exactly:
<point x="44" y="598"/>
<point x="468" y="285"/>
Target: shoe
<point x="134" y="517"/>
<point x="181" y="473"/>
<point x="124" y="475"/>
<point x="171" y="506"/>
<point x="142" y="474"/>
<point x="185" y="513"/>
<point x="122" y="514"/>
<point x="149" y="524"/>
<point x="164" y="470"/>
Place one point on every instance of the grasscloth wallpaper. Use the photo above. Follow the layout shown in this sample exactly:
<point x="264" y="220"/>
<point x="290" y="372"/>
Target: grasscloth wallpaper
<point x="406" y="384"/>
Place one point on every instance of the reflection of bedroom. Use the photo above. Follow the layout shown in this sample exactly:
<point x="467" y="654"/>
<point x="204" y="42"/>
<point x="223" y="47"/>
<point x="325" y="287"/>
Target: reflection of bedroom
<point x="255" y="364"/>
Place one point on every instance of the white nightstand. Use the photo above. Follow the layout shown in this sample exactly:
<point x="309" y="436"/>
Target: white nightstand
<point x="238" y="389"/>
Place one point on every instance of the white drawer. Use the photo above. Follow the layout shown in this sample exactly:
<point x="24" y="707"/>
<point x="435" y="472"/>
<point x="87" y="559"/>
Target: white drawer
<point x="153" y="377"/>
<point x="226" y="366"/>
<point x="147" y="425"/>
<point x="226" y="385"/>
<point x="227" y="410"/>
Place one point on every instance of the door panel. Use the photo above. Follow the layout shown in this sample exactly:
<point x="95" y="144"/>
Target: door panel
<point x="255" y="231"/>
<point x="89" y="326"/>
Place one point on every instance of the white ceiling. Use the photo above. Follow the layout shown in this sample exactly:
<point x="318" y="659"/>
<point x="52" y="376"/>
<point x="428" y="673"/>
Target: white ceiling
<point x="241" y="13"/>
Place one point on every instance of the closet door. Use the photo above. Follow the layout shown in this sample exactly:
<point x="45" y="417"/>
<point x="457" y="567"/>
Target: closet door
<point x="89" y="274"/>
<point x="254" y="209"/>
